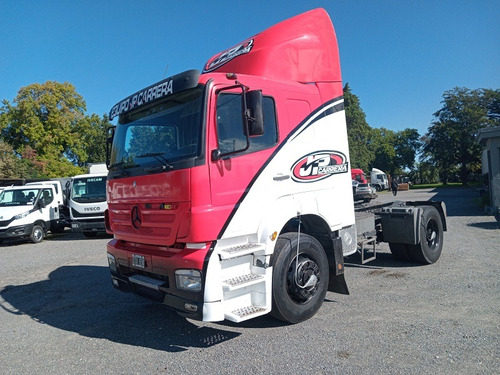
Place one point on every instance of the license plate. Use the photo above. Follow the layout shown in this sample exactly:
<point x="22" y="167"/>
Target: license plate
<point x="138" y="261"/>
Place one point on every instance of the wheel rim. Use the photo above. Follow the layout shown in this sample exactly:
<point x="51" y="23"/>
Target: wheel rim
<point x="300" y="274"/>
<point x="37" y="234"/>
<point x="432" y="234"/>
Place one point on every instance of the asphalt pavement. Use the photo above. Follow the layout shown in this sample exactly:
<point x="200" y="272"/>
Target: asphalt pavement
<point x="60" y="315"/>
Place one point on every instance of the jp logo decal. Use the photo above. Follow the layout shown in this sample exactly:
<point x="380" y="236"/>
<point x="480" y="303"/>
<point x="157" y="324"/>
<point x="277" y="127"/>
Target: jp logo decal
<point x="319" y="165"/>
<point x="226" y="56"/>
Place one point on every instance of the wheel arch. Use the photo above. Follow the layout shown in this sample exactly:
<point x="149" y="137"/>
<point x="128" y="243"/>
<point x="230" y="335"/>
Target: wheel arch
<point x="317" y="227"/>
<point x="42" y="223"/>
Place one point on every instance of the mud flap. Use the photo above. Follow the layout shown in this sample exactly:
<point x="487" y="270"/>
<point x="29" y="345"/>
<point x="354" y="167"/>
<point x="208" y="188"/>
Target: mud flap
<point x="337" y="282"/>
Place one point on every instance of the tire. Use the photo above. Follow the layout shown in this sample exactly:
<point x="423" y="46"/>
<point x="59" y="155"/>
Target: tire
<point x="292" y="303"/>
<point x="37" y="234"/>
<point x="90" y="234"/>
<point x="400" y="251"/>
<point x="429" y="249"/>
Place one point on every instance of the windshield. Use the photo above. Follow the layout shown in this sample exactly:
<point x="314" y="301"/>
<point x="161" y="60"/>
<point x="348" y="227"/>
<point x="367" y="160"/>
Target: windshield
<point x="24" y="197"/>
<point x="159" y="135"/>
<point x="89" y="189"/>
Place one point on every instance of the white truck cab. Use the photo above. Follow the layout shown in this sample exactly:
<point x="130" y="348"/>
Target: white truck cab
<point x="29" y="211"/>
<point x="87" y="203"/>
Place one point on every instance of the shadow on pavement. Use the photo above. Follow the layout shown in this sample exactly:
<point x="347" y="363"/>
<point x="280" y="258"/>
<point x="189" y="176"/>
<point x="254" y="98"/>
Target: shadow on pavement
<point x="460" y="201"/>
<point x="80" y="299"/>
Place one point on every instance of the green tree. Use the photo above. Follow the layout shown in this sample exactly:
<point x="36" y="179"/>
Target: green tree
<point x="407" y="145"/>
<point x="47" y="122"/>
<point x="10" y="164"/>
<point x="451" y="141"/>
<point x="91" y="147"/>
<point x="384" y="151"/>
<point x="358" y="132"/>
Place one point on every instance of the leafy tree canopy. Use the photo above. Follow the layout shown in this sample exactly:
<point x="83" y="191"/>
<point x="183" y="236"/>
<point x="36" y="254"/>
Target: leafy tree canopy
<point x="451" y="142"/>
<point x="358" y="131"/>
<point x="47" y="128"/>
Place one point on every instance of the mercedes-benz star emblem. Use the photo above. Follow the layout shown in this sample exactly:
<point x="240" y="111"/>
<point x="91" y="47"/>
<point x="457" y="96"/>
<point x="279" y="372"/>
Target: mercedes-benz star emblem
<point x="136" y="217"/>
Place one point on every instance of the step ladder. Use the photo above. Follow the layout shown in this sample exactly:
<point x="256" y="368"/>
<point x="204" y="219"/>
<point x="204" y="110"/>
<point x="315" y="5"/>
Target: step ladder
<point x="246" y="281"/>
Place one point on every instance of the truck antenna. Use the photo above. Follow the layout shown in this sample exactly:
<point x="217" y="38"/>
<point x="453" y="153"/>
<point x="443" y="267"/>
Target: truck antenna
<point x="164" y="74"/>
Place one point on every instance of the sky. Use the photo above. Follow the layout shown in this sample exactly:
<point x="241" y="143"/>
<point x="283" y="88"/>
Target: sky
<point x="399" y="57"/>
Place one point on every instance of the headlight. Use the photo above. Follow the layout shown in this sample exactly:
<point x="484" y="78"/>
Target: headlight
<point x="20" y="216"/>
<point x="189" y="280"/>
<point x="112" y="262"/>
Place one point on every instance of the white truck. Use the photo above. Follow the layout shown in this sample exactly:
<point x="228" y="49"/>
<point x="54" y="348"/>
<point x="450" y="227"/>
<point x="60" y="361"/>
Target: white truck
<point x="379" y="179"/>
<point x="29" y="211"/>
<point x="87" y="201"/>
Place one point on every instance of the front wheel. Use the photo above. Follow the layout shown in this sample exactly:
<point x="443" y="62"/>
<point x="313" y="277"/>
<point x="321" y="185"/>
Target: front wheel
<point x="37" y="234"/>
<point x="299" y="282"/>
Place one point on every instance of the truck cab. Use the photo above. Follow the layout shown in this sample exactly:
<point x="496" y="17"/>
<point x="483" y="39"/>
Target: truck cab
<point x="87" y="203"/>
<point x="379" y="179"/>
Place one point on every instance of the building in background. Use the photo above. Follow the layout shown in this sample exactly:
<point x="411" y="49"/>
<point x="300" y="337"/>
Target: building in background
<point x="490" y="137"/>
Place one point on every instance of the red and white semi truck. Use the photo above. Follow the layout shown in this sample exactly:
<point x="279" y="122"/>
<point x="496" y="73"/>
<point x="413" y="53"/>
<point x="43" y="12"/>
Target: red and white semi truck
<point x="229" y="190"/>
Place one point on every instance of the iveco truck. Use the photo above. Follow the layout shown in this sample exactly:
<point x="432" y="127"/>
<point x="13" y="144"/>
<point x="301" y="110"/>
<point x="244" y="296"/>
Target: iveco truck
<point x="87" y="201"/>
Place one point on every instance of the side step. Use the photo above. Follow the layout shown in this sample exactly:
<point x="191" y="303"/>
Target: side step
<point x="242" y="281"/>
<point x="241" y="250"/>
<point x="147" y="282"/>
<point x="364" y="247"/>
<point x="245" y="313"/>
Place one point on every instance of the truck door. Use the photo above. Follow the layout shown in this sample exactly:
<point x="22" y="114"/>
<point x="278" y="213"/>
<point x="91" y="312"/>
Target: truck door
<point x="232" y="173"/>
<point x="49" y="208"/>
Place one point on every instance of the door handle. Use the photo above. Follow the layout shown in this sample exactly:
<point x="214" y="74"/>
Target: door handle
<point x="281" y="177"/>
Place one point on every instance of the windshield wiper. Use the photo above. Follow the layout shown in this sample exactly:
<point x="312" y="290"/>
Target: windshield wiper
<point x="120" y="168"/>
<point x="165" y="165"/>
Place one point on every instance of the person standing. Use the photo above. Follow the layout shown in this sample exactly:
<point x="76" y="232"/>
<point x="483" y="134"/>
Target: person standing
<point x="394" y="185"/>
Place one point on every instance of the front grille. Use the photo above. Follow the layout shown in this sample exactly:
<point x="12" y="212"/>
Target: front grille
<point x="75" y="213"/>
<point x="4" y="223"/>
<point x="157" y="225"/>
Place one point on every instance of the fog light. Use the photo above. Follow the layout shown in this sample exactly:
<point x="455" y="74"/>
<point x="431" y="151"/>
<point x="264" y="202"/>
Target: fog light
<point x="112" y="262"/>
<point x="115" y="282"/>
<point x="189" y="280"/>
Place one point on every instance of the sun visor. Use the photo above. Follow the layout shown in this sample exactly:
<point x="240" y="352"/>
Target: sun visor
<point x="302" y="49"/>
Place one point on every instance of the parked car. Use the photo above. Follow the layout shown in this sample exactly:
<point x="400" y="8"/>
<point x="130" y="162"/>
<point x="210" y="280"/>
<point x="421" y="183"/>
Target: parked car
<point x="365" y="192"/>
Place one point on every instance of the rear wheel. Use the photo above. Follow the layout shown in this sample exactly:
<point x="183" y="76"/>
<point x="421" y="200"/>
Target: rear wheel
<point x="429" y="249"/>
<point x="298" y="289"/>
<point x="37" y="234"/>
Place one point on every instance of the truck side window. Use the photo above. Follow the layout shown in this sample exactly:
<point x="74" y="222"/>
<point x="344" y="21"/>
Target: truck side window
<point x="230" y="125"/>
<point x="47" y="196"/>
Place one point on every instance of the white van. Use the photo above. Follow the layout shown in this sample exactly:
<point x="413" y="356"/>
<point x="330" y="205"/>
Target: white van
<point x="29" y="211"/>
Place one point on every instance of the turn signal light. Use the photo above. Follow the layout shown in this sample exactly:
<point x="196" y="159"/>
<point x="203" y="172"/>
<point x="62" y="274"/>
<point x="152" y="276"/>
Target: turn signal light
<point x="169" y="206"/>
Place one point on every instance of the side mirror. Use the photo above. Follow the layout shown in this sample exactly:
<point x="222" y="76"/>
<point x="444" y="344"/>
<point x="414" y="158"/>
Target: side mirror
<point x="41" y="203"/>
<point x="109" y="141"/>
<point x="255" y="117"/>
<point x="216" y="155"/>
